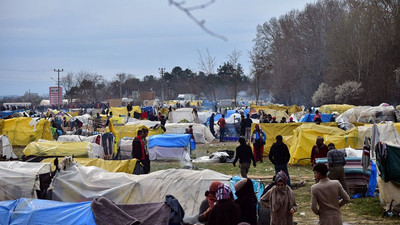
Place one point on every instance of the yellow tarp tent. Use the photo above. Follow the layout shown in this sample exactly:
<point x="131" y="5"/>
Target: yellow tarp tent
<point x="335" y="108"/>
<point x="23" y="130"/>
<point x="131" y="131"/>
<point x="123" y="111"/>
<point x="114" y="166"/>
<point x="55" y="148"/>
<point x="74" y="113"/>
<point x="304" y="138"/>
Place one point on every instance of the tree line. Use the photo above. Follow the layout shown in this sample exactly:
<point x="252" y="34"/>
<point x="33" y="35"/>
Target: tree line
<point x="345" y="51"/>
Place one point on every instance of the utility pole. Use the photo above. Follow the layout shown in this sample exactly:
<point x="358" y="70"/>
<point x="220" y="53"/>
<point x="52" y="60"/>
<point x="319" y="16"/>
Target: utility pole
<point x="58" y="87"/>
<point x="162" y="70"/>
<point x="120" y="76"/>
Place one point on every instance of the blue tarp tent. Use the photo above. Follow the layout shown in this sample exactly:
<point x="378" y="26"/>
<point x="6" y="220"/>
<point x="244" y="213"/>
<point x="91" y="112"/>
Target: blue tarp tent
<point x="36" y="211"/>
<point x="169" y="140"/>
<point x="309" y="117"/>
<point x="148" y="109"/>
<point x="4" y="114"/>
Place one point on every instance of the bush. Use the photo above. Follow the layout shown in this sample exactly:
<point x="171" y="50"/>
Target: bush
<point x="323" y="95"/>
<point x="349" y="92"/>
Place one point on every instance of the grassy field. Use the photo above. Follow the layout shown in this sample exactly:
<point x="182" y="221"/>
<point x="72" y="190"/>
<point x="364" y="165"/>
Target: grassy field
<point x="358" y="211"/>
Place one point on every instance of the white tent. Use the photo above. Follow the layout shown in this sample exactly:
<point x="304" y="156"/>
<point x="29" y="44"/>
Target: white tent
<point x="6" y="149"/>
<point x="201" y="133"/>
<point x="20" y="179"/>
<point x="79" y="183"/>
<point x="182" y="114"/>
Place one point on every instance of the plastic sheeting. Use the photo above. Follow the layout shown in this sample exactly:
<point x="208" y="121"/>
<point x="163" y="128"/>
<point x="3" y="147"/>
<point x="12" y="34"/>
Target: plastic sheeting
<point x="182" y="114"/>
<point x="201" y="133"/>
<point x="304" y="138"/>
<point x="169" y="140"/>
<point x="20" y="179"/>
<point x="113" y="166"/>
<point x="79" y="183"/>
<point x="77" y="138"/>
<point x="367" y="114"/>
<point x="23" y="130"/>
<point x="54" y="148"/>
<point x="169" y="153"/>
<point x="329" y="109"/>
<point x="26" y="211"/>
<point x="309" y="117"/>
<point x="123" y="111"/>
<point x="6" y="149"/>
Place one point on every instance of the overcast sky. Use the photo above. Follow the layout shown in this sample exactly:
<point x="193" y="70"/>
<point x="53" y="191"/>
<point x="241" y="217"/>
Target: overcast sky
<point x="110" y="37"/>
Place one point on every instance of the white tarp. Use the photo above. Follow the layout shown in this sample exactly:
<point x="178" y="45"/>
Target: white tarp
<point x="77" y="138"/>
<point x="20" y="179"/>
<point x="84" y="119"/>
<point x="79" y="183"/>
<point x="203" y="116"/>
<point x="201" y="133"/>
<point x="147" y="123"/>
<point x="168" y="153"/>
<point x="125" y="146"/>
<point x="6" y="149"/>
<point x="367" y="114"/>
<point x="182" y="114"/>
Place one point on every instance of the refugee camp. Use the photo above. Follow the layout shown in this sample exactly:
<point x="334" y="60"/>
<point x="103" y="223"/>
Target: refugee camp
<point x="210" y="112"/>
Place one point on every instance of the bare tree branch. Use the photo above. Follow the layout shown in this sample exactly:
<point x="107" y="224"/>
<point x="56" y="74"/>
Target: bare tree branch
<point x="200" y="23"/>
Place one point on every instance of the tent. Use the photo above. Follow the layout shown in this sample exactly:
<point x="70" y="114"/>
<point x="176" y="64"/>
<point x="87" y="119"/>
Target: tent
<point x="6" y="149"/>
<point x="55" y="148"/>
<point x="182" y="114"/>
<point x="201" y="133"/>
<point x="22" y="179"/>
<point x="367" y="114"/>
<point x="170" y="147"/>
<point x="339" y="108"/>
<point x="77" y="138"/>
<point x="304" y="138"/>
<point x="309" y="117"/>
<point x="123" y="111"/>
<point x="23" y="130"/>
<point x="27" y="211"/>
<point x="79" y="183"/>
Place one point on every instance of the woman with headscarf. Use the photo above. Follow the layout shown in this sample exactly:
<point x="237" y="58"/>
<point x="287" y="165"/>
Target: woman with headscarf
<point x="281" y="201"/>
<point x="225" y="210"/>
<point x="258" y="139"/>
<point x="247" y="201"/>
<point x="208" y="203"/>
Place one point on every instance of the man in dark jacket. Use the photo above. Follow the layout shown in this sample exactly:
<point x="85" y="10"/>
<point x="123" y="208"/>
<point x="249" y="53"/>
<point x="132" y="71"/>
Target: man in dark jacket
<point x="138" y="153"/>
<point x="279" y="156"/>
<point x="245" y="156"/>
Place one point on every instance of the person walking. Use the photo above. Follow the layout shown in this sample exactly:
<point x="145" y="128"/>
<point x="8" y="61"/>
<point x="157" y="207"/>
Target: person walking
<point x="281" y="201"/>
<point x="247" y="125"/>
<point x="319" y="150"/>
<point x="279" y="156"/>
<point x="245" y="156"/>
<point x="325" y="197"/>
<point x="258" y="139"/>
<point x="336" y="161"/>
<point x="221" y="123"/>
<point x="212" y="124"/>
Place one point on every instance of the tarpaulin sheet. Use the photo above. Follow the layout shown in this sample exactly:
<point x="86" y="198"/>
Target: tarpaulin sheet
<point x="123" y="111"/>
<point x="79" y="183"/>
<point x="182" y="114"/>
<point x="340" y="108"/>
<point x="309" y="117"/>
<point x="20" y="179"/>
<point x="201" y="133"/>
<point x="37" y="212"/>
<point x="169" y="153"/>
<point x="23" y="130"/>
<point x="6" y="207"/>
<point x="304" y="139"/>
<point x="170" y="140"/>
<point x="55" y="148"/>
<point x="114" y="166"/>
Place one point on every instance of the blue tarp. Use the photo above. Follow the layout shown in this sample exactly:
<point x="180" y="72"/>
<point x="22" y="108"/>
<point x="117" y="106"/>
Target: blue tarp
<point x="170" y="140"/>
<point x="148" y="109"/>
<point x="4" y="114"/>
<point x="36" y="211"/>
<point x="309" y="117"/>
<point x="258" y="186"/>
